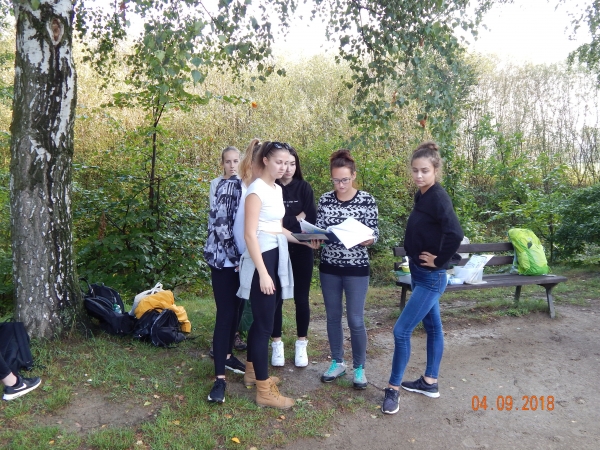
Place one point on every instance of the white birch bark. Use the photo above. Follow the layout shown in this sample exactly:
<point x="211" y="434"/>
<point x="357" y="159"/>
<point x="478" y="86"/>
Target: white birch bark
<point x="46" y="289"/>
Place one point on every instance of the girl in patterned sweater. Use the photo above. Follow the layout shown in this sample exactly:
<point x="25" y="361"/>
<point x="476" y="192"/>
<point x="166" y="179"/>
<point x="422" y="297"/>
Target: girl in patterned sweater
<point x="346" y="271"/>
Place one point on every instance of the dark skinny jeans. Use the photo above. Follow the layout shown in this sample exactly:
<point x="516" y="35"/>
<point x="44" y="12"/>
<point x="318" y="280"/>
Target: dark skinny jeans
<point x="264" y="308"/>
<point x="225" y="284"/>
<point x="4" y="369"/>
<point x="302" y="258"/>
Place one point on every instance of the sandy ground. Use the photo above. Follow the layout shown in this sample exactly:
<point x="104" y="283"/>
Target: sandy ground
<point x="523" y="357"/>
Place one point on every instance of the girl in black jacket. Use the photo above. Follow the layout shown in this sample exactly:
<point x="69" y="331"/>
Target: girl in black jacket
<point x="299" y="202"/>
<point x="433" y="234"/>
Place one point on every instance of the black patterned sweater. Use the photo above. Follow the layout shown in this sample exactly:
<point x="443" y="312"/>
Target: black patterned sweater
<point x="335" y="258"/>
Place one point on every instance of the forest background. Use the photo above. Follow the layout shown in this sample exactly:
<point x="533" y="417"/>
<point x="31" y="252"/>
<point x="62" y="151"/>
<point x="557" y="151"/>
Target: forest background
<point x="524" y="153"/>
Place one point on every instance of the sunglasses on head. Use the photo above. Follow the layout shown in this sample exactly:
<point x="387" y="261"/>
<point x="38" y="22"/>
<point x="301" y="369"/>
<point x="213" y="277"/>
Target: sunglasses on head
<point x="280" y="145"/>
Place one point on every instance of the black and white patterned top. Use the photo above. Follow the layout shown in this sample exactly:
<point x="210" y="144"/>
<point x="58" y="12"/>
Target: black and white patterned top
<point x="335" y="258"/>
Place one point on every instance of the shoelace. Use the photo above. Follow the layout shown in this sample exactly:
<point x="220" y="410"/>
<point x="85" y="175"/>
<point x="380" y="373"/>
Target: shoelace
<point x="358" y="373"/>
<point x="332" y="367"/>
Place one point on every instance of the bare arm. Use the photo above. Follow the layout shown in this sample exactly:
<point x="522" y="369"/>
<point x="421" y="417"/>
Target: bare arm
<point x="253" y="205"/>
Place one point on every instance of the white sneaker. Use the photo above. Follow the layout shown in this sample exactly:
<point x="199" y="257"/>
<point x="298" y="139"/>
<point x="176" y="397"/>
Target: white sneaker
<point x="277" y="358"/>
<point x="301" y="356"/>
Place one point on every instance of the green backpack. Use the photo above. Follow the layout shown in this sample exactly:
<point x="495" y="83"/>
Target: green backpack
<point x="529" y="253"/>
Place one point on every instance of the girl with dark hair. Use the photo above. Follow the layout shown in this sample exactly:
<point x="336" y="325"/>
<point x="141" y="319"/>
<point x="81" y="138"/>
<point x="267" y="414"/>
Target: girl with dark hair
<point x="346" y="271"/>
<point x="299" y="201"/>
<point x="433" y="235"/>
<point x="265" y="270"/>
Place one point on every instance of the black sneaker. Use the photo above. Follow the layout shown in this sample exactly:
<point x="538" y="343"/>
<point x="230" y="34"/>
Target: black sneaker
<point x="217" y="393"/>
<point x="239" y="344"/>
<point x="390" y="401"/>
<point x="422" y="387"/>
<point x="235" y="365"/>
<point x="23" y="386"/>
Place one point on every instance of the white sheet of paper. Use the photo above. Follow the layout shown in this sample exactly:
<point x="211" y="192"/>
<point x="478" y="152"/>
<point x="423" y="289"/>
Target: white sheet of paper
<point x="308" y="227"/>
<point x="351" y="232"/>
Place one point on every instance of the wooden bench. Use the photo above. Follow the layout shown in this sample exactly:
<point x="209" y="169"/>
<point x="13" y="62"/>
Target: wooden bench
<point x="492" y="280"/>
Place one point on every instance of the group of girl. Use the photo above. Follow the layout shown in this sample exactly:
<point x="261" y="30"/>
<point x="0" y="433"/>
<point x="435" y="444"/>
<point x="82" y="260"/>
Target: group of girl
<point x="256" y="206"/>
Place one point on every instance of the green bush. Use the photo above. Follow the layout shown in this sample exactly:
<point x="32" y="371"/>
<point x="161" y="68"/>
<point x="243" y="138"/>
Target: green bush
<point x="580" y="226"/>
<point x="130" y="241"/>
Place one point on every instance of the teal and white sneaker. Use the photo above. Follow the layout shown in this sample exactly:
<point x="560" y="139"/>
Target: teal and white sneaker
<point x="336" y="369"/>
<point x="360" y="380"/>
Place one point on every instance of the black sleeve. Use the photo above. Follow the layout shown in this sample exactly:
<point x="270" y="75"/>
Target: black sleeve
<point x="452" y="233"/>
<point x="308" y="204"/>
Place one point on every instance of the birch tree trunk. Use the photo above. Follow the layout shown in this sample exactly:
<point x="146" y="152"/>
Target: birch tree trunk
<point x="45" y="280"/>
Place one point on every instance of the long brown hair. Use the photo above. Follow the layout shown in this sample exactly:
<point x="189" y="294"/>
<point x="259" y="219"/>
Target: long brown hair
<point x="245" y="170"/>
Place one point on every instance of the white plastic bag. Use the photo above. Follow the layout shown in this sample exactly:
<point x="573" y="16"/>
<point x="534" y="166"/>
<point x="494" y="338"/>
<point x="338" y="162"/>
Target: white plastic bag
<point x="141" y="295"/>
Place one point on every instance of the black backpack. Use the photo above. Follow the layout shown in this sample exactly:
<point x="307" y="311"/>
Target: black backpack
<point x="14" y="346"/>
<point x="159" y="327"/>
<point x="104" y="304"/>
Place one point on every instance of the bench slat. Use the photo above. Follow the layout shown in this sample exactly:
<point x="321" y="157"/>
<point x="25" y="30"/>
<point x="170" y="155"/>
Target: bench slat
<point x="471" y="248"/>
<point x="503" y="280"/>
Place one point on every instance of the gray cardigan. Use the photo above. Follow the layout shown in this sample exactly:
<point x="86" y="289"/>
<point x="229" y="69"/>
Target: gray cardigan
<point x="267" y="242"/>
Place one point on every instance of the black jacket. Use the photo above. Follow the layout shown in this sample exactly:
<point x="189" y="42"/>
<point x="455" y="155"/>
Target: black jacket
<point x="298" y="196"/>
<point x="433" y="227"/>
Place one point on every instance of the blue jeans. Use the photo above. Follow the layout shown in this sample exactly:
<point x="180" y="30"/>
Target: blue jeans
<point x="423" y="305"/>
<point x="355" y="288"/>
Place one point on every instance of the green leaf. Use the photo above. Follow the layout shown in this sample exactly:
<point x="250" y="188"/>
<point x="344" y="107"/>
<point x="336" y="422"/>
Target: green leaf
<point x="197" y="76"/>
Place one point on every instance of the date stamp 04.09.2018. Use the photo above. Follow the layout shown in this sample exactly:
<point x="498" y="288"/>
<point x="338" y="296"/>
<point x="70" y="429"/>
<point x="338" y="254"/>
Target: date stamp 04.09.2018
<point x="506" y="403"/>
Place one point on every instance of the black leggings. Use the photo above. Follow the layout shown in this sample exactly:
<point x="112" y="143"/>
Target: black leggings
<point x="263" y="311"/>
<point x="225" y="284"/>
<point x="302" y="258"/>
<point x="4" y="369"/>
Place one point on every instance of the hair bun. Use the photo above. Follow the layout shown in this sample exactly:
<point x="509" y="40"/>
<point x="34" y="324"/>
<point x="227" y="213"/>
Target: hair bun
<point x="343" y="153"/>
<point x="428" y="145"/>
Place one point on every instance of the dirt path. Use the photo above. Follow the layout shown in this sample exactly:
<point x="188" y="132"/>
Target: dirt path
<point x="518" y="357"/>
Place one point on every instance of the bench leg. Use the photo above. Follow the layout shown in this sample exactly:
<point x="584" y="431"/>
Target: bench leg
<point x="517" y="295"/>
<point x="550" y="298"/>
<point x="403" y="298"/>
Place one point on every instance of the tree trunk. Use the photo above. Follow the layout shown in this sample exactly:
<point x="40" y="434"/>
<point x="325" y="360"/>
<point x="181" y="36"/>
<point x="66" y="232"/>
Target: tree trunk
<point x="47" y="293"/>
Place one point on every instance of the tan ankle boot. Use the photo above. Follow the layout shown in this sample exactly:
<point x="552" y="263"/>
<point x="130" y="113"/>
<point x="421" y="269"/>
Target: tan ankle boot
<point x="267" y="394"/>
<point x="250" y="376"/>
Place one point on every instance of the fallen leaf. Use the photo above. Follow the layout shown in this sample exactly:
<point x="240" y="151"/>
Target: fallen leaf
<point x="373" y="416"/>
<point x="147" y="403"/>
<point x="282" y="417"/>
<point x="156" y="396"/>
<point x="236" y="440"/>
<point x="139" y="443"/>
<point x="464" y="379"/>
<point x="228" y="416"/>
<point x="51" y="442"/>
<point x="175" y="422"/>
<point x="326" y="435"/>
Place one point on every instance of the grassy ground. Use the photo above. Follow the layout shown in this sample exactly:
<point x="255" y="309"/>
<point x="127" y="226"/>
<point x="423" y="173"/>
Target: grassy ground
<point x="172" y="384"/>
